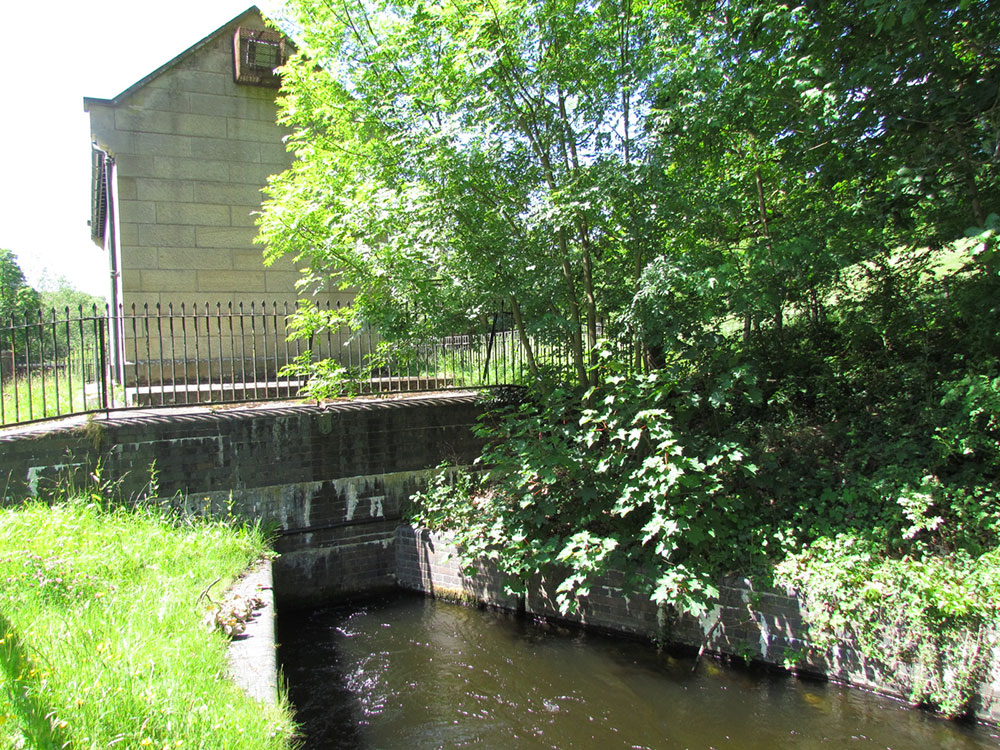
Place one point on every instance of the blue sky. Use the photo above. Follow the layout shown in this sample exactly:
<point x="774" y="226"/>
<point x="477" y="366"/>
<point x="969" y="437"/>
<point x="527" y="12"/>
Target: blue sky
<point x="62" y="53"/>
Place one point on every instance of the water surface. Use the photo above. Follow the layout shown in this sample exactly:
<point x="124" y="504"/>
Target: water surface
<point x="409" y="673"/>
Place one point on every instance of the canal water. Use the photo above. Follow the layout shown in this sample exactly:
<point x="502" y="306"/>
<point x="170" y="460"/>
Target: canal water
<point x="410" y="673"/>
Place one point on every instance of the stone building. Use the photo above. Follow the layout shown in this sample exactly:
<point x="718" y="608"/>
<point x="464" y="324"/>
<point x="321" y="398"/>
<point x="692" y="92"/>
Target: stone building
<point x="180" y="159"/>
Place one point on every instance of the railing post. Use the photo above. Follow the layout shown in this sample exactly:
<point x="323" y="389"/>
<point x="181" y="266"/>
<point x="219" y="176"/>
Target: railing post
<point x="197" y="354"/>
<point x="173" y="355"/>
<point x="159" y="349"/>
<point x="274" y="320"/>
<point x="218" y="330"/>
<point x="232" y="354"/>
<point x="69" y="358"/>
<point x="253" y="345"/>
<point x="489" y="350"/>
<point x="243" y="351"/>
<point x="102" y="357"/>
<point x="184" y="343"/>
<point x="284" y="330"/>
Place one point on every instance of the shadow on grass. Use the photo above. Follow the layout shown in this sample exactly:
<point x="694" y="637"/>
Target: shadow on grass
<point x="23" y="685"/>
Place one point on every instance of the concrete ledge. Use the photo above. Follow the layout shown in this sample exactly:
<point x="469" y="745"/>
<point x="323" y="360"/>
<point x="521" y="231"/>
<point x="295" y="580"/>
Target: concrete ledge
<point x="253" y="663"/>
<point x="199" y="450"/>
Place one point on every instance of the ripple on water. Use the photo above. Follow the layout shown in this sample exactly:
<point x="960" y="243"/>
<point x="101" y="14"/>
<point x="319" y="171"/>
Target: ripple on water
<point x="411" y="673"/>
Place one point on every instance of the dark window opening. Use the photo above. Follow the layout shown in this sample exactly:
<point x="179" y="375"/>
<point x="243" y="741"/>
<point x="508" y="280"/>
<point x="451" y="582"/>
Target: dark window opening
<point x="256" y="55"/>
<point x="98" y="196"/>
<point x="263" y="55"/>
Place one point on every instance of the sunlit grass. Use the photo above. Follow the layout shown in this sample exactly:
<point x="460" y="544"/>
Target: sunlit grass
<point x="479" y="364"/>
<point x="37" y="395"/>
<point x="856" y="283"/>
<point x="101" y="637"/>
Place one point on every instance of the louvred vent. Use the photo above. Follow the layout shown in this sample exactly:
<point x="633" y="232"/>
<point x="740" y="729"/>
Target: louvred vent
<point x="257" y="53"/>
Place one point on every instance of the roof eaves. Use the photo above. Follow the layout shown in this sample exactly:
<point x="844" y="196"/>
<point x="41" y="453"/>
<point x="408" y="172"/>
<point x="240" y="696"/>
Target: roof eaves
<point x="115" y="101"/>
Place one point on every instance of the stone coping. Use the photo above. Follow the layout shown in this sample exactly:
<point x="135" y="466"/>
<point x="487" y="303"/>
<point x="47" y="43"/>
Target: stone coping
<point x="235" y="411"/>
<point x="252" y="656"/>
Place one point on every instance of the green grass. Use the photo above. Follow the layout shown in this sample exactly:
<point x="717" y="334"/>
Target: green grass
<point x="508" y="363"/>
<point x="856" y="282"/>
<point x="39" y="396"/>
<point x="101" y="637"/>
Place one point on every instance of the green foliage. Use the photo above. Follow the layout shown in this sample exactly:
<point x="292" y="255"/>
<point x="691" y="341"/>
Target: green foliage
<point x="861" y="456"/>
<point x="792" y="141"/>
<point x="987" y="240"/>
<point x="61" y="295"/>
<point x="928" y="619"/>
<point x="37" y="395"/>
<point x="758" y="194"/>
<point x="102" y="642"/>
<point x="50" y="579"/>
<point x="972" y="431"/>
<point x="19" y="305"/>
<point x="449" y="502"/>
<point x="675" y="170"/>
<point x="456" y="157"/>
<point x="17" y="299"/>
<point x="48" y="347"/>
<point x="324" y="378"/>
<point x="608" y="480"/>
<point x="63" y="302"/>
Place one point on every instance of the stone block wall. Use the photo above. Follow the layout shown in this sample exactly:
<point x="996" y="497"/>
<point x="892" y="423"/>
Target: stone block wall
<point x="193" y="149"/>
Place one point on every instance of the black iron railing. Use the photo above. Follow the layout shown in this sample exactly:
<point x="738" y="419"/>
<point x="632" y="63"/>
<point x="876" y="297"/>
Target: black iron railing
<point x="54" y="364"/>
<point x="68" y="362"/>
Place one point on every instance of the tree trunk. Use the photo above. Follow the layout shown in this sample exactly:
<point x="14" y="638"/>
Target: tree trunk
<point x="523" y="336"/>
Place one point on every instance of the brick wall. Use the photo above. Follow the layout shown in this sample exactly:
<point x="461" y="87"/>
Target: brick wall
<point x="332" y="479"/>
<point x="748" y="622"/>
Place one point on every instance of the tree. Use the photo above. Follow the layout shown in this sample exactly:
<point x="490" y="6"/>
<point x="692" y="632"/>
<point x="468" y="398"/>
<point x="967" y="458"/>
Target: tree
<point x="67" y="303"/>
<point x="454" y="156"/>
<point x="797" y="140"/>
<point x="19" y="304"/>
<point x="919" y="86"/>
<point x="17" y="299"/>
<point x="671" y="167"/>
<point x="60" y="295"/>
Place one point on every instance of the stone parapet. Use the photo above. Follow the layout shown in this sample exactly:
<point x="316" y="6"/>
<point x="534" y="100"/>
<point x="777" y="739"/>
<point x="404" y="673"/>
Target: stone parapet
<point x="332" y="480"/>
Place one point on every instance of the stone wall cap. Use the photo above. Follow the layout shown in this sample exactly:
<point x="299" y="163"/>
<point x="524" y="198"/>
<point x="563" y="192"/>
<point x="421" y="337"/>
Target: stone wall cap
<point x="235" y="411"/>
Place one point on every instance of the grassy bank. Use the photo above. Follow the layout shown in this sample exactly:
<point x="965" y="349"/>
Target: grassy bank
<point x="101" y="637"/>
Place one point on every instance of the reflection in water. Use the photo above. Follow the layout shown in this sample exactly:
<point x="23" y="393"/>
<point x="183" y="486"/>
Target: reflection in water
<point x="411" y="673"/>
